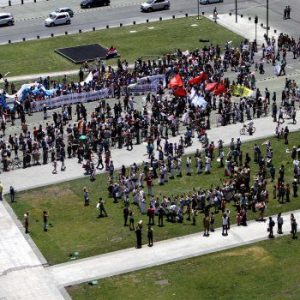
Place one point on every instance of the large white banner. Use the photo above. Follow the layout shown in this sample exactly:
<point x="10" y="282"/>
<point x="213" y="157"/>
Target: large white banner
<point x="147" y="84"/>
<point x="71" y="99"/>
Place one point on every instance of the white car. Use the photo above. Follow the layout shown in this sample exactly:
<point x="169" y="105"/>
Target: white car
<point x="58" y="19"/>
<point x="152" y="5"/>
<point x="6" y="19"/>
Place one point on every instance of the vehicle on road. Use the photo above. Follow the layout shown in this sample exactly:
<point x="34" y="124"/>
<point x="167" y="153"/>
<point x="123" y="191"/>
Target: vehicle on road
<point x="6" y="19"/>
<point x="152" y="5"/>
<point x="58" y="19"/>
<point x="94" y="3"/>
<point x="210" y="1"/>
<point x="65" y="9"/>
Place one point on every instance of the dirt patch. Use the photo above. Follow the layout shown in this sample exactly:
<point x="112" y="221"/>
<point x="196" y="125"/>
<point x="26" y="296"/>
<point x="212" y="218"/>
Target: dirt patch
<point x="53" y="192"/>
<point x="256" y="252"/>
<point x="162" y="282"/>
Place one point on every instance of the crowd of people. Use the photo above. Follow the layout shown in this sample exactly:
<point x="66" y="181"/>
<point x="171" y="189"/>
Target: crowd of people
<point x="91" y="136"/>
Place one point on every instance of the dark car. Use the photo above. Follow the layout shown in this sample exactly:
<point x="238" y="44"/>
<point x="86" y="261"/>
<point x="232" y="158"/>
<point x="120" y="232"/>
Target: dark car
<point x="94" y="3"/>
<point x="210" y="1"/>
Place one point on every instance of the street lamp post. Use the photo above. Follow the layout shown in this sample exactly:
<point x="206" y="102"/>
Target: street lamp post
<point x="198" y="9"/>
<point x="267" y="17"/>
<point x="236" y="16"/>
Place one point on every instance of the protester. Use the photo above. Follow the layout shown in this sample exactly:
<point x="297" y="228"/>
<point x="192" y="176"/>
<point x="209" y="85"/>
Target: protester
<point x="293" y="227"/>
<point x="270" y="228"/>
<point x="12" y="194"/>
<point x="86" y="197"/>
<point x="138" y="232"/>
<point x="279" y="224"/>
<point x="150" y="236"/>
<point x="26" y="222"/>
<point x="45" y="220"/>
<point x="101" y="208"/>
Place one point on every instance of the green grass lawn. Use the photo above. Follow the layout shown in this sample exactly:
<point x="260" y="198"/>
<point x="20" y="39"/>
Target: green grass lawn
<point x="39" y="57"/>
<point x="76" y="228"/>
<point x="265" y="270"/>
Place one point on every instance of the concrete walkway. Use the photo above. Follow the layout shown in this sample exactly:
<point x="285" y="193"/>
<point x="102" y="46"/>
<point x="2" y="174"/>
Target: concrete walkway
<point x="42" y="175"/>
<point x="22" y="274"/>
<point x="129" y="260"/>
<point x="245" y="27"/>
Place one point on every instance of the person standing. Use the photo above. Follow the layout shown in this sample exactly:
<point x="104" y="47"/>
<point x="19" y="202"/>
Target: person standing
<point x="150" y="214"/>
<point x="101" y="208"/>
<point x="160" y="216"/>
<point x="215" y="14"/>
<point x="62" y="158"/>
<point x="288" y="12"/>
<point x="206" y="224"/>
<point x="12" y="194"/>
<point x="295" y="187"/>
<point x="224" y="224"/>
<point x="228" y="218"/>
<point x="285" y="13"/>
<point x="138" y="233"/>
<point x="150" y="236"/>
<point x="193" y="215"/>
<point x="287" y="192"/>
<point x="1" y="191"/>
<point x="125" y="214"/>
<point x="86" y="197"/>
<point x="189" y="166"/>
<point x="293" y="227"/>
<point x="279" y="224"/>
<point x="286" y="134"/>
<point x="45" y="220"/>
<point x="212" y="222"/>
<point x="131" y="221"/>
<point x="26" y="222"/>
<point x="54" y="167"/>
<point x="271" y="227"/>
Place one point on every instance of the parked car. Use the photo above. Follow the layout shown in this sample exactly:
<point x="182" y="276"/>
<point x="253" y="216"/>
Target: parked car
<point x="94" y="3"/>
<point x="58" y="19"/>
<point x="210" y="1"/>
<point x="7" y="19"/>
<point x="152" y="5"/>
<point x="65" y="9"/>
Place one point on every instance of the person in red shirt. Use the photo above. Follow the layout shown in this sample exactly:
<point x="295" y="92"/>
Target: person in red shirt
<point x="150" y="214"/>
<point x="149" y="181"/>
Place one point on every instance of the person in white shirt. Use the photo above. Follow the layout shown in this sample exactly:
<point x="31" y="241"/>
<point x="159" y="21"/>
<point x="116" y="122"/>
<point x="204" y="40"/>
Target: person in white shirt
<point x="224" y="225"/>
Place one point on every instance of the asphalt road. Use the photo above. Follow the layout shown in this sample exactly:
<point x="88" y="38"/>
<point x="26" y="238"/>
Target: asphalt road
<point x="30" y="16"/>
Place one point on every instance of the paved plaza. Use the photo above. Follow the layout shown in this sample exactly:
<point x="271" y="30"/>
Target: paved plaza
<point x="24" y="273"/>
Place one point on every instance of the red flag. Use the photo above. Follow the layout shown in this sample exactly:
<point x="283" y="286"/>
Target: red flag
<point x="176" y="81"/>
<point x="220" y="89"/>
<point x="179" y="92"/>
<point x="198" y="79"/>
<point x="211" y="86"/>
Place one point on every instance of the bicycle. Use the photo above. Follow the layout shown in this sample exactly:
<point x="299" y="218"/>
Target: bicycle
<point x="14" y="163"/>
<point x="246" y="129"/>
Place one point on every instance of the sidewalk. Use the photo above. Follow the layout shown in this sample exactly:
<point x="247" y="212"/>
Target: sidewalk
<point x="132" y="259"/>
<point x="245" y="27"/>
<point x="22" y="275"/>
<point x="43" y="75"/>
